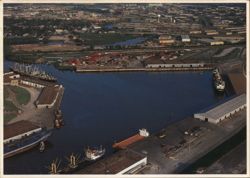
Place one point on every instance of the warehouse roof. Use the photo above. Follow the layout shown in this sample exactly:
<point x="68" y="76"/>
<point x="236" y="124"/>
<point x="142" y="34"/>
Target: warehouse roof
<point x="114" y="163"/>
<point x="48" y="95"/>
<point x="225" y="108"/>
<point x="17" y="128"/>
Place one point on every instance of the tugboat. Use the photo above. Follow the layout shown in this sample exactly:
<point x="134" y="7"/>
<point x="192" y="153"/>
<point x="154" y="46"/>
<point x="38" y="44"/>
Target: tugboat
<point x="42" y="146"/>
<point x="32" y="71"/>
<point x="58" y="122"/>
<point x="94" y="154"/>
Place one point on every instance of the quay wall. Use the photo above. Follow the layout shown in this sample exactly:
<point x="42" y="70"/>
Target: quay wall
<point x="143" y="69"/>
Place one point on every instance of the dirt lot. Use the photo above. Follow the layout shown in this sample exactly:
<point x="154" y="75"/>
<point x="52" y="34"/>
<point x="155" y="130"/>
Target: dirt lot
<point x="44" y="48"/>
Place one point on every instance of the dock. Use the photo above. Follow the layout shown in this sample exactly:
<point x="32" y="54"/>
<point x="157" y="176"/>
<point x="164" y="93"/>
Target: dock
<point x="185" y="142"/>
<point x="118" y="163"/>
<point x="172" y="69"/>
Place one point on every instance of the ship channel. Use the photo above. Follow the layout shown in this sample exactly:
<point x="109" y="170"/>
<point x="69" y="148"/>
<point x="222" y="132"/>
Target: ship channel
<point x="101" y="109"/>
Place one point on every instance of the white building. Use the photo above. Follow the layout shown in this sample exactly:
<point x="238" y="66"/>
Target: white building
<point x="48" y="97"/>
<point x="32" y="84"/>
<point x="166" y="39"/>
<point x="185" y="38"/>
<point x="223" y="111"/>
<point x="175" y="65"/>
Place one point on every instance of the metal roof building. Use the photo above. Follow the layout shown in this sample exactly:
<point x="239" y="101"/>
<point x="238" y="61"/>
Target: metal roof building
<point x="18" y="129"/>
<point x="122" y="162"/>
<point x="224" y="110"/>
<point x="185" y="38"/>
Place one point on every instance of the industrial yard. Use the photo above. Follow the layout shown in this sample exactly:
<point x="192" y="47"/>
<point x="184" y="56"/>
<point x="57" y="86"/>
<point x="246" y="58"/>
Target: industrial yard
<point x="36" y="99"/>
<point x="177" y="146"/>
<point x="124" y="92"/>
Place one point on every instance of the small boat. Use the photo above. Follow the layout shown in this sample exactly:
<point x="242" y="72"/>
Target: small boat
<point x="42" y="146"/>
<point x="94" y="154"/>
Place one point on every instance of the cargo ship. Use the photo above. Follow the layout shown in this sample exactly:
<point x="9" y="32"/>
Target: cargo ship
<point x="22" y="136"/>
<point x="135" y="138"/>
<point x="94" y="154"/>
<point x="219" y="84"/>
<point x="32" y="71"/>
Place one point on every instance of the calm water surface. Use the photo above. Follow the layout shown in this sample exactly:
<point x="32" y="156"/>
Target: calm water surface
<point x="100" y="108"/>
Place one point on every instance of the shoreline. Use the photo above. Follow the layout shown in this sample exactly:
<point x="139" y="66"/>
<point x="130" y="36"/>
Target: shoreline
<point x="85" y="70"/>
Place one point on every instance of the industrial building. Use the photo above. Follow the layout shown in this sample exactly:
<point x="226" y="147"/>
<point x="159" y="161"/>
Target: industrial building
<point x="31" y="83"/>
<point x="185" y="38"/>
<point x="122" y="162"/>
<point x="11" y="78"/>
<point x="195" y="32"/>
<point x="163" y="65"/>
<point x="48" y="97"/>
<point x="211" y="32"/>
<point x="18" y="130"/>
<point x="230" y="39"/>
<point x="164" y="39"/>
<point x="211" y="42"/>
<point x="220" y="112"/>
<point x="35" y="83"/>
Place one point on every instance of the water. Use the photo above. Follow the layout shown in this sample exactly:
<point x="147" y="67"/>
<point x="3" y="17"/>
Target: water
<point x="108" y="26"/>
<point x="58" y="42"/>
<point x="131" y="42"/>
<point x="100" y="108"/>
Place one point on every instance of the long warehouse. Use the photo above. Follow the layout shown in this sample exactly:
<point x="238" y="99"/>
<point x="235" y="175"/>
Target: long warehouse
<point x="224" y="110"/>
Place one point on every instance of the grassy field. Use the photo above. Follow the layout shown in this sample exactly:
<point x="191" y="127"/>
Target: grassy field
<point x="8" y="117"/>
<point x="6" y="93"/>
<point x="22" y="95"/>
<point x="105" y="39"/>
<point x="9" y="106"/>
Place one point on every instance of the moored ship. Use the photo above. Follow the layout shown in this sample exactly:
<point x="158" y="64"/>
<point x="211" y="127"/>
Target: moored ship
<point x="135" y="138"/>
<point x="32" y="71"/>
<point x="219" y="84"/>
<point x="22" y="136"/>
<point x="94" y="154"/>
